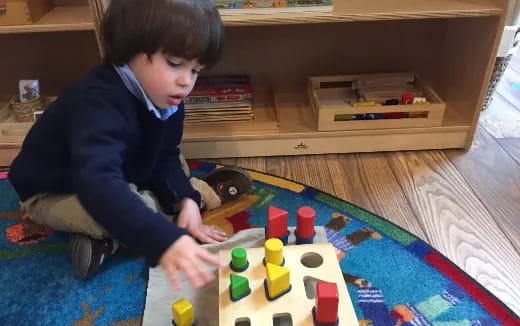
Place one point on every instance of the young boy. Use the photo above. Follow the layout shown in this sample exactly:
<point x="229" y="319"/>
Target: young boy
<point x="106" y="151"/>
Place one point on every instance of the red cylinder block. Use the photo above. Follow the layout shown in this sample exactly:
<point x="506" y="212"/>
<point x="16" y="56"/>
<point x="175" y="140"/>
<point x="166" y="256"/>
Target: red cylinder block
<point x="305" y="222"/>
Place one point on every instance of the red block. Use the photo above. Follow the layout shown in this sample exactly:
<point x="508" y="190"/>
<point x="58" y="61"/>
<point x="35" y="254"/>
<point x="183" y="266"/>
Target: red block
<point x="305" y="221"/>
<point x="327" y="301"/>
<point x="407" y="98"/>
<point x="277" y="222"/>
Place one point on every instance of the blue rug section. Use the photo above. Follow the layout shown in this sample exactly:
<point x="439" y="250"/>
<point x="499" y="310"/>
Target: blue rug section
<point x="45" y="282"/>
<point x="38" y="287"/>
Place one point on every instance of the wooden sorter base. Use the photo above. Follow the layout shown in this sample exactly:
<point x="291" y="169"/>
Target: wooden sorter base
<point x="259" y="311"/>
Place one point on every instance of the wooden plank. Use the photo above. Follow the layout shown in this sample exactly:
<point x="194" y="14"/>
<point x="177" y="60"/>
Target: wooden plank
<point x="251" y="163"/>
<point x="462" y="84"/>
<point x="495" y="178"/>
<point x="501" y="119"/>
<point x="61" y="58"/>
<point x="409" y="7"/>
<point x="367" y="180"/>
<point x="63" y="18"/>
<point x="360" y="10"/>
<point x="512" y="146"/>
<point x="8" y="153"/>
<point x="306" y="169"/>
<point x="300" y="144"/>
<point x="457" y="222"/>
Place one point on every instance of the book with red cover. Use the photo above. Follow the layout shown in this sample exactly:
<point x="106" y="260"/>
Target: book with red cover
<point x="232" y="90"/>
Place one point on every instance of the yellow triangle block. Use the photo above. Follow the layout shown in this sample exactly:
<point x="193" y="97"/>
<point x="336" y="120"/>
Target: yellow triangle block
<point x="278" y="279"/>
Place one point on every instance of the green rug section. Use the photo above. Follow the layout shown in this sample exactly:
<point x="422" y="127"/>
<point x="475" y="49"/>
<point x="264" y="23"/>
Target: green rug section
<point x="388" y="228"/>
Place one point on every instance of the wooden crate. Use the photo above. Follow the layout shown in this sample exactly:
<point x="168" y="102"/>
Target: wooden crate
<point x="24" y="12"/>
<point x="329" y="105"/>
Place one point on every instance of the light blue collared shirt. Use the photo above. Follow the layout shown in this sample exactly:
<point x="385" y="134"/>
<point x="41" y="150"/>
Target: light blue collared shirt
<point x="135" y="88"/>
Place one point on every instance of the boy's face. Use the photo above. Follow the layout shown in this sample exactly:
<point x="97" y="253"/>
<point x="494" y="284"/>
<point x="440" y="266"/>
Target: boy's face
<point x="166" y="80"/>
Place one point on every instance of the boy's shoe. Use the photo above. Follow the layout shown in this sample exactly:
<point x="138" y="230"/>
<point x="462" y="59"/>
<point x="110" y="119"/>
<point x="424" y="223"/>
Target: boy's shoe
<point x="88" y="254"/>
<point x="229" y="183"/>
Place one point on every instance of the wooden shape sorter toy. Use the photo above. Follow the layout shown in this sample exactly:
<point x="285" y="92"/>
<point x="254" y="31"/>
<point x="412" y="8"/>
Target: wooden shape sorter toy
<point x="315" y="262"/>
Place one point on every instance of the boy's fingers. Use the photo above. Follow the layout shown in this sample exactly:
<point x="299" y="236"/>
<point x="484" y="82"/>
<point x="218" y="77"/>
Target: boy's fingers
<point x="218" y="229"/>
<point x="172" y="275"/>
<point x="210" y="258"/>
<point x="194" y="276"/>
<point x="218" y="237"/>
<point x="203" y="273"/>
<point x="203" y="237"/>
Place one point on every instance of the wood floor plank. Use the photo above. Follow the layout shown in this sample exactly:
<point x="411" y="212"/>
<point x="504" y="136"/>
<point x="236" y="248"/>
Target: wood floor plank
<point x="509" y="87"/>
<point x="512" y="146"/>
<point x="501" y="119"/>
<point x="457" y="223"/>
<point x="495" y="178"/>
<point x="367" y="181"/>
<point x="252" y="163"/>
<point x="307" y="169"/>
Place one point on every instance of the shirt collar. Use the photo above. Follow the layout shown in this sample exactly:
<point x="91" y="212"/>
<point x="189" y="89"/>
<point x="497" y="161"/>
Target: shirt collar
<point x="135" y="88"/>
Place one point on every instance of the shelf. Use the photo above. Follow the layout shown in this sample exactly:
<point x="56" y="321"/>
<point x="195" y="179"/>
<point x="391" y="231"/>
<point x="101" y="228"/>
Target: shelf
<point x="62" y="18"/>
<point x="297" y="136"/>
<point x="296" y="122"/>
<point x="359" y="10"/>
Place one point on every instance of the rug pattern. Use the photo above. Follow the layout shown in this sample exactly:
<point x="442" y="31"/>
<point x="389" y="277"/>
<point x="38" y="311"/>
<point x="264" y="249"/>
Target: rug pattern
<point x="392" y="277"/>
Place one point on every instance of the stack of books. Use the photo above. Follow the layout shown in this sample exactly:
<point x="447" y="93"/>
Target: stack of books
<point x="220" y="99"/>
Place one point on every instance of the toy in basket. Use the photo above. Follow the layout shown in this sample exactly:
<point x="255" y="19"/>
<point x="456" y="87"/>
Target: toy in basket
<point x="29" y="105"/>
<point x="373" y="101"/>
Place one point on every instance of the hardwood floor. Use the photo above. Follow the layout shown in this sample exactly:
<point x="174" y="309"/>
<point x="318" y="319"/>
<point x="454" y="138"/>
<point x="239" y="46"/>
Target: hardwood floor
<point x="466" y="204"/>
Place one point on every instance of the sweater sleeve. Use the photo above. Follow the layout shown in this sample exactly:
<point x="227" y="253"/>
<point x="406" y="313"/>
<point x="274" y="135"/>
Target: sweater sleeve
<point x="97" y="140"/>
<point x="169" y="182"/>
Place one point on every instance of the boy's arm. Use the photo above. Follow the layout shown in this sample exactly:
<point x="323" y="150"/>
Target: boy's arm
<point x="97" y="139"/>
<point x="169" y="182"/>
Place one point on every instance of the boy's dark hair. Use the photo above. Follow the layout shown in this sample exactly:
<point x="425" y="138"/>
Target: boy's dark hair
<point x="190" y="29"/>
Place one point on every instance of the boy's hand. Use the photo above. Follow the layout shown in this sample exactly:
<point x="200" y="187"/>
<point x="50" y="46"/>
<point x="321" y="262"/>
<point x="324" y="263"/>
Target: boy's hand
<point x="187" y="256"/>
<point x="190" y="219"/>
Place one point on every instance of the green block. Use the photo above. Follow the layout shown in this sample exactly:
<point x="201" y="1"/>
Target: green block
<point x="239" y="287"/>
<point x="239" y="258"/>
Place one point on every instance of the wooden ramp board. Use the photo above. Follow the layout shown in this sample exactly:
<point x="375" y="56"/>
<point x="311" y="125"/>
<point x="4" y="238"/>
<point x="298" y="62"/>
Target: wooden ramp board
<point x="259" y="311"/>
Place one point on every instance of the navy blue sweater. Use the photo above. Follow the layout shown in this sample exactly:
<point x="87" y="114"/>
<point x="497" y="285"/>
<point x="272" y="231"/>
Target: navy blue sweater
<point x="95" y="140"/>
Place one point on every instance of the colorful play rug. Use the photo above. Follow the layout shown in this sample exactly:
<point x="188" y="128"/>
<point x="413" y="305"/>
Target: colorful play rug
<point x="393" y="277"/>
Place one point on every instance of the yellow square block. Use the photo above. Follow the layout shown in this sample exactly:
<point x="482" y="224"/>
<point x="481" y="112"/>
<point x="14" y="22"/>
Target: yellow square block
<point x="278" y="279"/>
<point x="182" y="311"/>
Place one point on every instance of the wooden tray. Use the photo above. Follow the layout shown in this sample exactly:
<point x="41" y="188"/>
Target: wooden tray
<point x="330" y="106"/>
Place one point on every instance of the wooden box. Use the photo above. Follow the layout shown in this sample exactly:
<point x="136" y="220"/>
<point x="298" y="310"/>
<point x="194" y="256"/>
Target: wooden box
<point x="329" y="98"/>
<point x="24" y="12"/>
